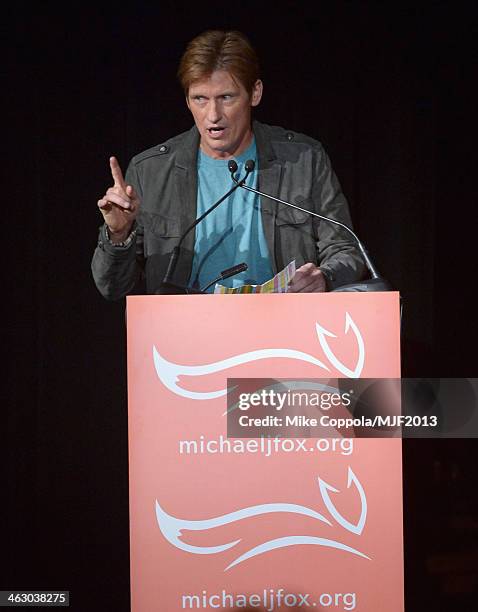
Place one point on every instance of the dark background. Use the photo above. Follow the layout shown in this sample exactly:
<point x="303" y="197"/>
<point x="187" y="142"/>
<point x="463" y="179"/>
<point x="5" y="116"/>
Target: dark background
<point x="389" y="91"/>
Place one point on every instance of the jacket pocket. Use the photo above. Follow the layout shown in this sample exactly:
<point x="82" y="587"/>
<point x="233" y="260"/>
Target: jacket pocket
<point x="295" y="236"/>
<point x="161" y="234"/>
<point x="164" y="227"/>
<point x="291" y="216"/>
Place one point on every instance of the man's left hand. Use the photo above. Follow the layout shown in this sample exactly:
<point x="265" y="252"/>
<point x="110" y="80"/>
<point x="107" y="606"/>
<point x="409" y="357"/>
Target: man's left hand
<point x="308" y="279"/>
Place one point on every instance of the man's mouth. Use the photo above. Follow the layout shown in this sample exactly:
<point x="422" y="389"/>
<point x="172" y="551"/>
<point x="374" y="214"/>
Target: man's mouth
<point x="216" y="131"/>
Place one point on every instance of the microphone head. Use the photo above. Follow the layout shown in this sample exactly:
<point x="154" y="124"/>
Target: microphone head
<point x="232" y="166"/>
<point x="249" y="165"/>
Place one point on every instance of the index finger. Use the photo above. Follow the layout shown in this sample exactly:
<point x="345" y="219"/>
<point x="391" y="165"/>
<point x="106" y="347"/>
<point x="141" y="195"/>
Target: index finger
<point x="116" y="173"/>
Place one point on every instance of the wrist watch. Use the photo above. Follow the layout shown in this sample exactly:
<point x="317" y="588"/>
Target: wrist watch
<point x="125" y="243"/>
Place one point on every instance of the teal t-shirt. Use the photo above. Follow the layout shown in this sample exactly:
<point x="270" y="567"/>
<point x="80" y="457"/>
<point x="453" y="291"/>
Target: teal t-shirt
<point x="233" y="232"/>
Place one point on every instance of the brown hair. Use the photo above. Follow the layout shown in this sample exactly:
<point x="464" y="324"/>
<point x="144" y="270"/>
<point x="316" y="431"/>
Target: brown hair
<point x="219" y="50"/>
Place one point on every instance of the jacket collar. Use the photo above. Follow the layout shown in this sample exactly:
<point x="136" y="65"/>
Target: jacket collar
<point x="187" y="154"/>
<point x="186" y="186"/>
<point x="264" y="146"/>
<point x="268" y="181"/>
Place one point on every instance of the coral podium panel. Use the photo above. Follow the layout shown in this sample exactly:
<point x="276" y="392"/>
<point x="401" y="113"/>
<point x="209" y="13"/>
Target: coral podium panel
<point x="220" y="523"/>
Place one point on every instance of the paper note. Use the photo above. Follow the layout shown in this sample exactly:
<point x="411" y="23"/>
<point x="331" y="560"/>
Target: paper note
<point x="278" y="284"/>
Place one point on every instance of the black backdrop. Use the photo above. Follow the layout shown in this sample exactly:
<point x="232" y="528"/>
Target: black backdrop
<point x="389" y="92"/>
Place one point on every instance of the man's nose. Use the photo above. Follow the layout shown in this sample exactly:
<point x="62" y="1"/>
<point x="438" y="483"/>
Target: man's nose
<point x="214" y="111"/>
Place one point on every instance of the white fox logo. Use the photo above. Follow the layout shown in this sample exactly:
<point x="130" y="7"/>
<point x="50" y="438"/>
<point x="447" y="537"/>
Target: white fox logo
<point x="172" y="527"/>
<point x="169" y="372"/>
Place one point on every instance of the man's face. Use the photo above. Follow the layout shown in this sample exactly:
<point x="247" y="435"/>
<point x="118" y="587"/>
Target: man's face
<point x="221" y="108"/>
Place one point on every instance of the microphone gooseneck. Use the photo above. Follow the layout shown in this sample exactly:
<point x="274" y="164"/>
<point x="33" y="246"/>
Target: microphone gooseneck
<point x="249" y="167"/>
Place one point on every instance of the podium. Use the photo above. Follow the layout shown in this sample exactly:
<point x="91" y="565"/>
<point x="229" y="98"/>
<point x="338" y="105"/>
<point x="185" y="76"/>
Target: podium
<point x="220" y="523"/>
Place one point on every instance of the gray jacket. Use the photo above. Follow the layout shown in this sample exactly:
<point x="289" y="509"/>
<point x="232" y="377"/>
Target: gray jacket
<point x="292" y="167"/>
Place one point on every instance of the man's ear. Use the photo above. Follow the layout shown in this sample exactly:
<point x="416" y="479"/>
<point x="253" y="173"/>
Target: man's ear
<point x="187" y="101"/>
<point x="256" y="93"/>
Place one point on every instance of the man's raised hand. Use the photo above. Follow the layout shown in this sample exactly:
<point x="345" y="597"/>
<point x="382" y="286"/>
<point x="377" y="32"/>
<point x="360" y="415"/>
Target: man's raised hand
<point x="119" y="206"/>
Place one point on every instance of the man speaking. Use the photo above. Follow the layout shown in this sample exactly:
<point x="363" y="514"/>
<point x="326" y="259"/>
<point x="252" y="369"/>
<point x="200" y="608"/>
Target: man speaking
<point x="166" y="188"/>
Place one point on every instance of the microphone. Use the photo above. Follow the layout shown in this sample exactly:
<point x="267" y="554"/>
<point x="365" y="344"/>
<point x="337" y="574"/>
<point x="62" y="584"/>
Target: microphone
<point x="250" y="165"/>
<point x="377" y="283"/>
<point x="173" y="260"/>
<point x="232" y="165"/>
<point x="242" y="267"/>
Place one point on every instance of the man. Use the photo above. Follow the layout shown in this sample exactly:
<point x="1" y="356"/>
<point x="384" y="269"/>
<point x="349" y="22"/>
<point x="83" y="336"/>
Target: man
<point x="167" y="187"/>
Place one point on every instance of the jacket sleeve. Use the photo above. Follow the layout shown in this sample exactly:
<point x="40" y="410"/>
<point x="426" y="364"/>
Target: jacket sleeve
<point x="117" y="269"/>
<point x="337" y="253"/>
